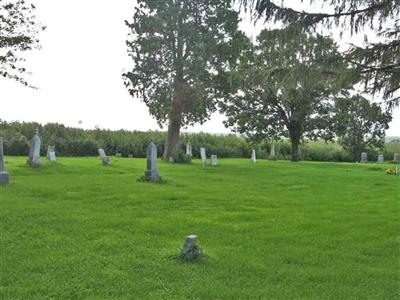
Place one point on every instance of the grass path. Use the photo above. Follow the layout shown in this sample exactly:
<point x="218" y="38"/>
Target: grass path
<point x="273" y="230"/>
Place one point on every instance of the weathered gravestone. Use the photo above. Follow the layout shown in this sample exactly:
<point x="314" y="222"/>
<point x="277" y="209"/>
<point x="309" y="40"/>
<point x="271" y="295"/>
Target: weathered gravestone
<point x="364" y="157"/>
<point x="118" y="154"/>
<point x="191" y="250"/>
<point x="130" y="155"/>
<point x="396" y="157"/>
<point x="4" y="176"/>
<point x="381" y="159"/>
<point x="214" y="160"/>
<point x="103" y="157"/>
<point x="171" y="160"/>
<point x="253" y="156"/>
<point x="34" y="151"/>
<point x="51" y="153"/>
<point x="189" y="148"/>
<point x="203" y="157"/>
<point x="151" y="173"/>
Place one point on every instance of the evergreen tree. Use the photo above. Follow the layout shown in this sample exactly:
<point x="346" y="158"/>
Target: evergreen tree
<point x="182" y="52"/>
<point x="378" y="63"/>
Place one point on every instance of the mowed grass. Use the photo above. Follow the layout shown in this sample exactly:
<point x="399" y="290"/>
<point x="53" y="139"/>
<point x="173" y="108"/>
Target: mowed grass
<point x="272" y="230"/>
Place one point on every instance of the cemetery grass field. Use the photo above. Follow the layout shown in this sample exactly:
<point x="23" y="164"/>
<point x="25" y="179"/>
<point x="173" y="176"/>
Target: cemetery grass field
<point x="274" y="230"/>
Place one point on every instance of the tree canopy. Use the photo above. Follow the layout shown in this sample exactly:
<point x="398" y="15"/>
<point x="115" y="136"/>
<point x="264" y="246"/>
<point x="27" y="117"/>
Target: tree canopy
<point x="377" y="62"/>
<point x="285" y="87"/>
<point x="182" y="52"/>
<point x="359" y="124"/>
<point x="18" y="33"/>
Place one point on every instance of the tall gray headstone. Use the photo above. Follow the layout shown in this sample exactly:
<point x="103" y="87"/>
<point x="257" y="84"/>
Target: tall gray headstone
<point x="34" y="152"/>
<point x="4" y="176"/>
<point x="51" y="153"/>
<point x="151" y="173"/>
<point x="253" y="156"/>
<point x="104" y="158"/>
<point x="189" y="148"/>
<point x="364" y="157"/>
<point x="381" y="159"/>
<point x="214" y="160"/>
<point x="396" y="157"/>
<point x="203" y="157"/>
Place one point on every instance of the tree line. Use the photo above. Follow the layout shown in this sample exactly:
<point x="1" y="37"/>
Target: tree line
<point x="79" y="142"/>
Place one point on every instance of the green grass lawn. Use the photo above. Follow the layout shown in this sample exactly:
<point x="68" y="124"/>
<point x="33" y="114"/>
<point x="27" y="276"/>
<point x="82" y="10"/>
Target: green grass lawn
<point x="274" y="230"/>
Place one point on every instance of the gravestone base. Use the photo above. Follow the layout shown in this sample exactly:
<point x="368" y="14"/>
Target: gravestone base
<point x="151" y="176"/>
<point x="35" y="163"/>
<point x="4" y="177"/>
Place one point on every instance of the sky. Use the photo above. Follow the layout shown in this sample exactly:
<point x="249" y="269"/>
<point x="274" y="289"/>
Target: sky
<point x="78" y="71"/>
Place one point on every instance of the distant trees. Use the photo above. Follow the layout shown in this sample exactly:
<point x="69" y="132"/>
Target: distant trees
<point x="359" y="124"/>
<point x="378" y="63"/>
<point x="285" y="87"/>
<point x="182" y="52"/>
<point x="18" y="33"/>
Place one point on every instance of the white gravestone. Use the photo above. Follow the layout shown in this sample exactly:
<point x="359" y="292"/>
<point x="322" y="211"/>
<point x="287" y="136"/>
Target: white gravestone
<point x="396" y="157"/>
<point x="203" y="157"/>
<point x="4" y="176"/>
<point x="189" y="148"/>
<point x="214" y="160"/>
<point x="253" y="156"/>
<point x="104" y="157"/>
<point x="51" y="153"/>
<point x="34" y="151"/>
<point x="381" y="159"/>
<point x="151" y="173"/>
<point x="364" y="157"/>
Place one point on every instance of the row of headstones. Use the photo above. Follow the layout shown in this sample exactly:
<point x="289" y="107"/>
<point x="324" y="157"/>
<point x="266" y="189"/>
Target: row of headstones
<point x="381" y="159"/>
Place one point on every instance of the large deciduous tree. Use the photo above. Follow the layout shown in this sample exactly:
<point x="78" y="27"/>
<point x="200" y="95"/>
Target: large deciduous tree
<point x="18" y="33"/>
<point x="285" y="88"/>
<point x="359" y="124"/>
<point x="182" y="51"/>
<point x="378" y="62"/>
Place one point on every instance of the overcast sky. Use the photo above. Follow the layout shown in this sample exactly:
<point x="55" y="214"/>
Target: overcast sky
<point x="78" y="71"/>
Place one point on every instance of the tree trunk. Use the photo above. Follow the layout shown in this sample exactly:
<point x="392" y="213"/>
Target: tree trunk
<point x="174" y="128"/>
<point x="295" y="149"/>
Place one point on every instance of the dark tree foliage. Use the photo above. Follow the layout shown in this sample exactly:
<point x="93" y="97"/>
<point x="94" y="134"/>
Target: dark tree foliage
<point x="378" y="63"/>
<point x="182" y="52"/>
<point x="359" y="124"/>
<point x="18" y="33"/>
<point x="285" y="88"/>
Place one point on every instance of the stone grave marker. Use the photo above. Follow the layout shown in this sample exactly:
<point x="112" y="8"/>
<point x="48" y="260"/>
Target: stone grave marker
<point x="396" y="157"/>
<point x="34" y="151"/>
<point x="51" y="153"/>
<point x="214" y="160"/>
<point x="118" y="154"/>
<point x="191" y="250"/>
<point x="105" y="160"/>
<point x="203" y="157"/>
<point x="171" y="160"/>
<point x="189" y="148"/>
<point x="130" y="155"/>
<point x="151" y="173"/>
<point x="4" y="176"/>
<point x="364" y="157"/>
<point x="253" y="156"/>
<point x="381" y="159"/>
